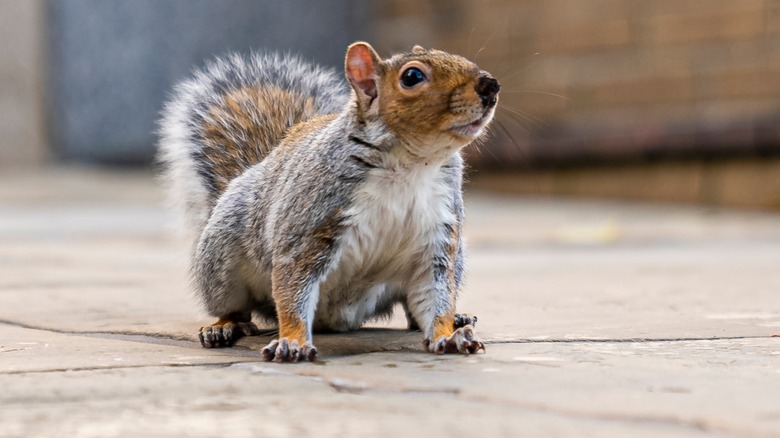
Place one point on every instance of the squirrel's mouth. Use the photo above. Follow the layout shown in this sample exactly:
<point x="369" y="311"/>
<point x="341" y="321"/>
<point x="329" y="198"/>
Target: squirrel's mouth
<point x="474" y="128"/>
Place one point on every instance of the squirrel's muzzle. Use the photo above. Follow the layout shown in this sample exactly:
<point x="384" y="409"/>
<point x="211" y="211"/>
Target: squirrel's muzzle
<point x="487" y="88"/>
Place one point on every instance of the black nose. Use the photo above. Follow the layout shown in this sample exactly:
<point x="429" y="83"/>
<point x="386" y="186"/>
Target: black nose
<point x="487" y="88"/>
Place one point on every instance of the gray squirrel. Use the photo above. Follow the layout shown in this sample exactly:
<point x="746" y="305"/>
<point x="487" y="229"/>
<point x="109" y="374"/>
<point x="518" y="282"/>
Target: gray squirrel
<point x="322" y="207"/>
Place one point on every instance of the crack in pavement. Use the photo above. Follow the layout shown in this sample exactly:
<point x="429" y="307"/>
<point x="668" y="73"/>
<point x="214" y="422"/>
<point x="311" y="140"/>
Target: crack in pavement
<point x="624" y="340"/>
<point x="184" y="341"/>
<point x="158" y="336"/>
<point x="120" y="367"/>
<point x="143" y="338"/>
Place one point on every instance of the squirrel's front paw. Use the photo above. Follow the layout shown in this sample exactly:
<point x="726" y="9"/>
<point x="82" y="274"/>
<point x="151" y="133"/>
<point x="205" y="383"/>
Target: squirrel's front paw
<point x="462" y="340"/>
<point x="225" y="333"/>
<point x="284" y="350"/>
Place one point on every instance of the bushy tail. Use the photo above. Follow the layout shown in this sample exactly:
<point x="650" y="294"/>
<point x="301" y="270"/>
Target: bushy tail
<point x="229" y="116"/>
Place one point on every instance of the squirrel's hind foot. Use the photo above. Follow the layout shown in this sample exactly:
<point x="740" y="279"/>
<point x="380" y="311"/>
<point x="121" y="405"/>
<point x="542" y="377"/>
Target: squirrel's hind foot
<point x="285" y="350"/>
<point x="225" y="332"/>
<point x="462" y="340"/>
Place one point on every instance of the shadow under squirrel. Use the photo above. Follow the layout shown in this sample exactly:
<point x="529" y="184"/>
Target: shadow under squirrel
<point x="322" y="207"/>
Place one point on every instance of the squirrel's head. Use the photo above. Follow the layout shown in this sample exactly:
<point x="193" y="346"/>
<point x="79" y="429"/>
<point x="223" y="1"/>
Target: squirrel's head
<point x="426" y="97"/>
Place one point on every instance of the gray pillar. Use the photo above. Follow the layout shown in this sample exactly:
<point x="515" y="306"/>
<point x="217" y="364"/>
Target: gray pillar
<point x="112" y="62"/>
<point x="22" y="126"/>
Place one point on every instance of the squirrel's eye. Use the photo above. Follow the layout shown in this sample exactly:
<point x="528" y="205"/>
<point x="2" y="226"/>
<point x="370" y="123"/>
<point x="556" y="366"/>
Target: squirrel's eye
<point x="411" y="77"/>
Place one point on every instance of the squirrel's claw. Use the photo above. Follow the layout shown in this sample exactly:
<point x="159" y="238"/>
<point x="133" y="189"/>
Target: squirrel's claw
<point x="462" y="340"/>
<point x="225" y="334"/>
<point x="284" y="350"/>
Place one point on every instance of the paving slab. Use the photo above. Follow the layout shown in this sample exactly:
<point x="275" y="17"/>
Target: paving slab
<point x="244" y="402"/>
<point x="685" y="388"/>
<point x="602" y="319"/>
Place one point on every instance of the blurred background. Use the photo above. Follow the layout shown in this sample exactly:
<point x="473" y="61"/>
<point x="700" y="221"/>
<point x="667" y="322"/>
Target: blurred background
<point x="654" y="100"/>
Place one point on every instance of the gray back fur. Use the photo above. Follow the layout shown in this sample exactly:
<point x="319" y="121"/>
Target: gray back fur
<point x="192" y="174"/>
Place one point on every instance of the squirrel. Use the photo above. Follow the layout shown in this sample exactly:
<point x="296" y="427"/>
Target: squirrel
<point x="321" y="206"/>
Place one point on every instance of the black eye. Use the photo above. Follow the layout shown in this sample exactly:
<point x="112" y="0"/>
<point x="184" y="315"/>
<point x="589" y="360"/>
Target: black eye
<point x="411" y="77"/>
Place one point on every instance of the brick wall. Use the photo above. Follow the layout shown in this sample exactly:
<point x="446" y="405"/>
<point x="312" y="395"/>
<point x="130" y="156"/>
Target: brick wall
<point x="594" y="80"/>
<point x="611" y="79"/>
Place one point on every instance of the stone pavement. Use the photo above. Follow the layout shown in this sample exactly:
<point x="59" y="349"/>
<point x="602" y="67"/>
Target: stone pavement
<point x="601" y="319"/>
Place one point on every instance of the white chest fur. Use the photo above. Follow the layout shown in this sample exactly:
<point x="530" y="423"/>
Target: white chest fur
<point x="394" y="219"/>
<point x="393" y="224"/>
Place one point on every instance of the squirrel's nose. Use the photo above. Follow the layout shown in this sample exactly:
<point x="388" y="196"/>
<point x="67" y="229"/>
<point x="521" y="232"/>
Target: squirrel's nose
<point x="487" y="88"/>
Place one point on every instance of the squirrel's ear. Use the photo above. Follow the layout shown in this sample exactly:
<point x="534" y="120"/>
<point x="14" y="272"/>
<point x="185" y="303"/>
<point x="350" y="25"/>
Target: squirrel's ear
<point x="361" y="66"/>
<point x="418" y="49"/>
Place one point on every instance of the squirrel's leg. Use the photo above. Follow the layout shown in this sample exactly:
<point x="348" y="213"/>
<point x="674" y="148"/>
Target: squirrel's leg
<point x="296" y="300"/>
<point x="432" y="303"/>
<point x="299" y="265"/>
<point x="214" y="269"/>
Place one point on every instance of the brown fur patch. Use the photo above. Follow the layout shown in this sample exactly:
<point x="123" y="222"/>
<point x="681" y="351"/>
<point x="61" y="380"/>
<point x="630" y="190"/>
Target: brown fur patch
<point x="292" y="327"/>
<point x="301" y="130"/>
<point x="443" y="326"/>
<point x="290" y="279"/>
<point x="231" y="318"/>
<point x="427" y="113"/>
<point x="246" y="125"/>
<point x="286" y="293"/>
